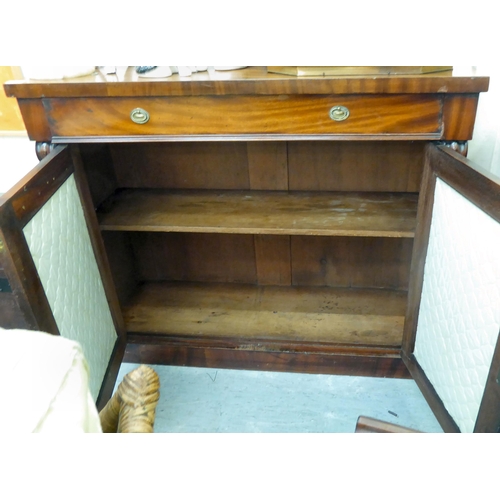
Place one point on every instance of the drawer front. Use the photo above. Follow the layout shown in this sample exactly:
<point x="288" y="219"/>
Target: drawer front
<point x="406" y="115"/>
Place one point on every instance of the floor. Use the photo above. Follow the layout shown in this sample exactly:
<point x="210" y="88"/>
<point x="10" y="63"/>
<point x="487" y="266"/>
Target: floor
<point x="201" y="400"/>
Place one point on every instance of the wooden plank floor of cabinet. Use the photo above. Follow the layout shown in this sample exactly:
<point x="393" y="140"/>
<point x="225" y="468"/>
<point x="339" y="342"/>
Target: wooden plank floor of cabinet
<point x="257" y="212"/>
<point x="250" y="313"/>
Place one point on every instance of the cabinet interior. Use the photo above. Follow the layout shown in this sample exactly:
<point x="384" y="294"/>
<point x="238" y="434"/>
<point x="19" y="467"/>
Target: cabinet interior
<point x="286" y="242"/>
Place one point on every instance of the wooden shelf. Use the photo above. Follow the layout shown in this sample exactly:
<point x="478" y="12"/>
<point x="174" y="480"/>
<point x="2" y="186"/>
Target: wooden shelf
<point x="252" y="313"/>
<point x="262" y="212"/>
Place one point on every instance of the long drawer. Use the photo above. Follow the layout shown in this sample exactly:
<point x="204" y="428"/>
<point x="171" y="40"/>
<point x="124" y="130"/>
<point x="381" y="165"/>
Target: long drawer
<point x="405" y="115"/>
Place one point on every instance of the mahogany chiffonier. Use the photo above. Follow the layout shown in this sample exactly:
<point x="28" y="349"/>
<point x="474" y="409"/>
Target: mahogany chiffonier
<point x="261" y="221"/>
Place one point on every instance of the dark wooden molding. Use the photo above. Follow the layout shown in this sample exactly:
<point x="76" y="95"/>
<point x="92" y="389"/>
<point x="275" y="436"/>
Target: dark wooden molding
<point x="106" y="139"/>
<point x="237" y="343"/>
<point x="165" y="352"/>
<point x="22" y="274"/>
<point x="109" y="380"/>
<point x="488" y="418"/>
<point x="436" y="404"/>
<point x="97" y="241"/>
<point x="421" y="240"/>
<point x="40" y="184"/>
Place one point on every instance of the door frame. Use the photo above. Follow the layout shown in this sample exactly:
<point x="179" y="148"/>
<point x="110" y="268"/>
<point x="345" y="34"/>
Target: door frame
<point x="482" y="189"/>
<point x="17" y="207"/>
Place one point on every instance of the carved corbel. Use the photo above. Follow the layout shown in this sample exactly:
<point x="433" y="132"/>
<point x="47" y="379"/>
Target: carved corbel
<point x="461" y="147"/>
<point x="43" y="149"/>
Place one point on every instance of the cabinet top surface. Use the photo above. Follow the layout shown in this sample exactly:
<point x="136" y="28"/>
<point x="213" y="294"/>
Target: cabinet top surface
<point x="254" y="80"/>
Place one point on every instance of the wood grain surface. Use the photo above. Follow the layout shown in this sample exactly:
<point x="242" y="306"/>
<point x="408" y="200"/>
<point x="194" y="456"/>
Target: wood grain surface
<point x="371" y="317"/>
<point x="246" y="115"/>
<point x="254" y="80"/>
<point x="257" y="212"/>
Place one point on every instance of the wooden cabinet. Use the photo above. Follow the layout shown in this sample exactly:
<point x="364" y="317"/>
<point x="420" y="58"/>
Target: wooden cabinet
<point x="244" y="220"/>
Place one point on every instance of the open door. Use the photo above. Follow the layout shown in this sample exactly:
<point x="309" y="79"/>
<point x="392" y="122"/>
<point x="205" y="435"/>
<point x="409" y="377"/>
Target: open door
<point x="52" y="255"/>
<point x="450" y="342"/>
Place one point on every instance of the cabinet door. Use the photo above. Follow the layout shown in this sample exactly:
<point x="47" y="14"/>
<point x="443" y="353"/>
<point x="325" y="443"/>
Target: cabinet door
<point x="452" y="324"/>
<point x="50" y="249"/>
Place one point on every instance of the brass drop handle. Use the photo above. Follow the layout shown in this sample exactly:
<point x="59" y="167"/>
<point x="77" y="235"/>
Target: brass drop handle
<point x="339" y="113"/>
<point x="139" y="115"/>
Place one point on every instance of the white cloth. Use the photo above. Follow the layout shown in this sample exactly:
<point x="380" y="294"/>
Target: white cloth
<point x="44" y="383"/>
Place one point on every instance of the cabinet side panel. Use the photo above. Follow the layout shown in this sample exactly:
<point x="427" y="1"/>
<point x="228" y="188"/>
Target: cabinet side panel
<point x="459" y="317"/>
<point x="62" y="252"/>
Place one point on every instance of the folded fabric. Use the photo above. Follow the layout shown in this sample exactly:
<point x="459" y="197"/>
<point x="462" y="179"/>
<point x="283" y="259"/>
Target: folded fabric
<point x="44" y="383"/>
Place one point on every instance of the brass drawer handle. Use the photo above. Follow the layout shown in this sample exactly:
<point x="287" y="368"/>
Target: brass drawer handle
<point x="139" y="115"/>
<point x="339" y="113"/>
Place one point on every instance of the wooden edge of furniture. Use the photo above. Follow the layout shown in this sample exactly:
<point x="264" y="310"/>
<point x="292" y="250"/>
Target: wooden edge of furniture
<point x="420" y="242"/>
<point x="97" y="243"/>
<point x="26" y="289"/>
<point x="488" y="419"/>
<point x="431" y="396"/>
<point x="17" y="207"/>
<point x="29" y="194"/>
<point x="93" y="139"/>
<point x="254" y="80"/>
<point x="370" y="425"/>
<point x="111" y="374"/>
<point x="149" y="350"/>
